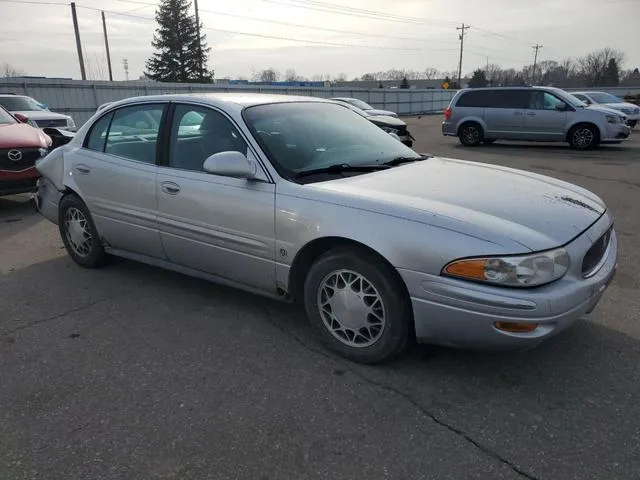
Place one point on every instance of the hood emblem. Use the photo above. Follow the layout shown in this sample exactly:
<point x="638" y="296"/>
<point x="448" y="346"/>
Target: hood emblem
<point x="14" y="155"/>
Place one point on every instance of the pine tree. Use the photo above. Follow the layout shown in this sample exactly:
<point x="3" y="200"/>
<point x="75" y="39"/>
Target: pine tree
<point x="612" y="74"/>
<point x="177" y="56"/>
<point x="405" y="83"/>
<point x="479" y="79"/>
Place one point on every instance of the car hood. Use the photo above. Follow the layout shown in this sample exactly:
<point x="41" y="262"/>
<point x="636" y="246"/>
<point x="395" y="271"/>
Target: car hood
<point x="386" y="121"/>
<point x="604" y="109"/>
<point x="21" y="135"/>
<point x="487" y="201"/>
<point x="620" y="106"/>
<point x="37" y="115"/>
<point x="382" y="112"/>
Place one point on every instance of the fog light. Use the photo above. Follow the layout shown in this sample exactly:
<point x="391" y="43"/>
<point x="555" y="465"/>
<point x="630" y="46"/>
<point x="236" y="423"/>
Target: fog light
<point x="513" y="327"/>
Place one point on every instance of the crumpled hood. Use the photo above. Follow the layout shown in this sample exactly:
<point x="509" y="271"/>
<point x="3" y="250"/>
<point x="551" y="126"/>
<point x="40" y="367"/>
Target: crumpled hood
<point x="535" y="211"/>
<point x="37" y="115"/>
<point x="21" y="135"/>
<point x="387" y="113"/>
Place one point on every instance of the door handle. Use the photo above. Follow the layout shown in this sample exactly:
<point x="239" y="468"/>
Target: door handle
<point x="82" y="168"/>
<point x="531" y="113"/>
<point x="518" y="113"/>
<point x="170" y="188"/>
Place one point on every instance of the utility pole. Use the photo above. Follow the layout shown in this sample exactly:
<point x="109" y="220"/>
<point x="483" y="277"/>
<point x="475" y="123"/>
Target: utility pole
<point x="535" y="60"/>
<point x="462" y="28"/>
<point x="106" y="45"/>
<point x="78" y="44"/>
<point x="195" y="6"/>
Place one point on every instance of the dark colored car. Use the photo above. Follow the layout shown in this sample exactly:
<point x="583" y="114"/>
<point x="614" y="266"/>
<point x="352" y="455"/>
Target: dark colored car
<point x="20" y="146"/>
<point x="392" y="125"/>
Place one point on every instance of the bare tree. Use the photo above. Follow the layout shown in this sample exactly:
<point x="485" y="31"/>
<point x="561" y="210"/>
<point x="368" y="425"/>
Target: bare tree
<point x="269" y="75"/>
<point x="290" y="75"/>
<point x="593" y="67"/>
<point x="341" y="77"/>
<point x="430" y="73"/>
<point x="9" y="70"/>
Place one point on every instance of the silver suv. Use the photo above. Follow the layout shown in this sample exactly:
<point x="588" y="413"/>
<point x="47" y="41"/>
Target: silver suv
<point x="539" y="114"/>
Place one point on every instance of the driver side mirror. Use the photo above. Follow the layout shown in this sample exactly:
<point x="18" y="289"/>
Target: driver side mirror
<point x="230" y="164"/>
<point x="21" y="118"/>
<point x="561" y="106"/>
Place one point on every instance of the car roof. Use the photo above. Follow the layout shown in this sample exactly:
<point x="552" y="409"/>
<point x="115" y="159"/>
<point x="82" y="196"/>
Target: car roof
<point x="243" y="99"/>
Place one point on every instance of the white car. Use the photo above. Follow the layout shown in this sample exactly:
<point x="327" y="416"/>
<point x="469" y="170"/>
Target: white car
<point x="605" y="99"/>
<point x="368" y="109"/>
<point x="30" y="111"/>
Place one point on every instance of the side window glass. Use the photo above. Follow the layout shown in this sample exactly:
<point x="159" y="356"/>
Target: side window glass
<point x="199" y="132"/>
<point x="134" y="132"/>
<point x="98" y="134"/>
<point x="511" y="99"/>
<point x="543" y="101"/>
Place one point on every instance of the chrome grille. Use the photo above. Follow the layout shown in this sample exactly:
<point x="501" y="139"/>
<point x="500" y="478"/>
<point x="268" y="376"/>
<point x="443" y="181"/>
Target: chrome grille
<point x="591" y="262"/>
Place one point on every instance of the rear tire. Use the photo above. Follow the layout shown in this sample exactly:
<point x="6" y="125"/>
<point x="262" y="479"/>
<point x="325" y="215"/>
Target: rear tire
<point x="357" y="305"/>
<point x="584" y="137"/>
<point x="79" y="233"/>
<point x="471" y="134"/>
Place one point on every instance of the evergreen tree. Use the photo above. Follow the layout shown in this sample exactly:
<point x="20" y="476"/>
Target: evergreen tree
<point x="405" y="83"/>
<point x="177" y="56"/>
<point x="479" y="79"/>
<point x="612" y="73"/>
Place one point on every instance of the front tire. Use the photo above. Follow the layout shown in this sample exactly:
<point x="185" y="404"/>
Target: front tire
<point x="584" y="137"/>
<point x="357" y="305"/>
<point x="79" y="233"/>
<point x="471" y="134"/>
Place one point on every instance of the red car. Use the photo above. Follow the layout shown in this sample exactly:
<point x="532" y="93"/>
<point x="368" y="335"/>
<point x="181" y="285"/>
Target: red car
<point x="20" y="146"/>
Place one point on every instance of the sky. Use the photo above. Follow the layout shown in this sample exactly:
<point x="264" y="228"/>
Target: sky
<point x="38" y="38"/>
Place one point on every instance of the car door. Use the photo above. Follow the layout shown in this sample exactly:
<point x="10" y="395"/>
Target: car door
<point x="504" y="114"/>
<point x="115" y="171"/>
<point x="543" y="120"/>
<point x="219" y="225"/>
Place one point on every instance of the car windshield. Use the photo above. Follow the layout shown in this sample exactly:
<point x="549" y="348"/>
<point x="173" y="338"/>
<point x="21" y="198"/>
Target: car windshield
<point x="303" y="136"/>
<point x="567" y="97"/>
<point x="5" y="117"/>
<point x="20" y="104"/>
<point x="603" y="97"/>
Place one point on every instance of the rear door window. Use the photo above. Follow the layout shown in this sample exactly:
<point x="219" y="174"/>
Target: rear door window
<point x="477" y="98"/>
<point x="517" y="99"/>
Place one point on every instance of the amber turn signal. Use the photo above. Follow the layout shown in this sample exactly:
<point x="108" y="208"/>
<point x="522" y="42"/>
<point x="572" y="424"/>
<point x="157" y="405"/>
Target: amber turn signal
<point x="513" y="327"/>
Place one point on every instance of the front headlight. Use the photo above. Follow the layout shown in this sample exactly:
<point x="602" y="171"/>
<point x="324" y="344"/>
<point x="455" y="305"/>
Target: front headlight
<point x="512" y="271"/>
<point x="390" y="130"/>
<point x="612" y="119"/>
<point x="70" y="122"/>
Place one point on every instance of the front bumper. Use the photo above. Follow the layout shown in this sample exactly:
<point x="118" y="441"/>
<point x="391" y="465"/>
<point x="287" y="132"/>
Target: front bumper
<point x="12" y="183"/>
<point x="457" y="313"/>
<point x="615" y="133"/>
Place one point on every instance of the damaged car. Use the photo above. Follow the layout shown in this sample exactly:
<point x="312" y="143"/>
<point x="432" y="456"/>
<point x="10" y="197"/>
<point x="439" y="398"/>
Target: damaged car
<point x="21" y="145"/>
<point x="301" y="199"/>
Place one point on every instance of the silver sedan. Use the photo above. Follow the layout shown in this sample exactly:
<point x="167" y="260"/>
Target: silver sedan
<point x="304" y="200"/>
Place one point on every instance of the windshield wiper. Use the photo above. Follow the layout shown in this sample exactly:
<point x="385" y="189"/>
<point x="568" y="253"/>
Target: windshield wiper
<point x="342" y="167"/>
<point x="400" y="160"/>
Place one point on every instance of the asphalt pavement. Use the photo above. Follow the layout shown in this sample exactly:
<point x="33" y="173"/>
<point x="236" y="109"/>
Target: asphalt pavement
<point x="132" y="372"/>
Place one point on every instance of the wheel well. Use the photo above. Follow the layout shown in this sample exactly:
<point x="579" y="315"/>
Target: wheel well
<point x="314" y="249"/>
<point x="469" y="122"/>
<point x="583" y="124"/>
